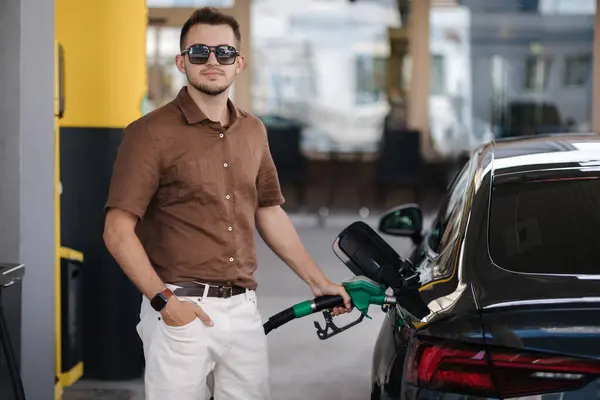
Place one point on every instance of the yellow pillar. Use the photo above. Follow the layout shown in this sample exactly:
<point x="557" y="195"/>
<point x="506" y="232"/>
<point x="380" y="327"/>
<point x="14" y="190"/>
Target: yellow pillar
<point x="104" y="82"/>
<point x="58" y="92"/>
<point x="105" y="60"/>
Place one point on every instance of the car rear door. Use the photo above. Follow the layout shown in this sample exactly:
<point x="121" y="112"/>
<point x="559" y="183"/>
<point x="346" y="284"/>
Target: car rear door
<point x="540" y="297"/>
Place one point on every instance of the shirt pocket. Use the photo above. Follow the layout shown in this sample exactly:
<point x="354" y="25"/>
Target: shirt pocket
<point x="245" y="170"/>
<point x="198" y="179"/>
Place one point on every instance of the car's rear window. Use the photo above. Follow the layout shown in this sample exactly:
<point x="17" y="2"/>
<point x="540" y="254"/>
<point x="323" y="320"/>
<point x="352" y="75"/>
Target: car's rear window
<point x="547" y="226"/>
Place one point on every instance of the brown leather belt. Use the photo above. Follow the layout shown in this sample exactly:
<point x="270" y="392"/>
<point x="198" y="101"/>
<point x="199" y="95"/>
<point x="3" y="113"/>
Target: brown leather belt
<point x="196" y="289"/>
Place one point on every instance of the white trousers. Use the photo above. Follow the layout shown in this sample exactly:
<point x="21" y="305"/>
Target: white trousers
<point x="234" y="350"/>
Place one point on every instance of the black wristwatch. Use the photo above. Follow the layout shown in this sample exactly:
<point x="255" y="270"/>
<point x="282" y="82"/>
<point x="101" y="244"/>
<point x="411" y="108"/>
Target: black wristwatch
<point x="159" y="301"/>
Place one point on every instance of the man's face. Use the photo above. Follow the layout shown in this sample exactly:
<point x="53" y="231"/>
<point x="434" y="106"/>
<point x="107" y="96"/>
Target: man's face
<point x="211" y="78"/>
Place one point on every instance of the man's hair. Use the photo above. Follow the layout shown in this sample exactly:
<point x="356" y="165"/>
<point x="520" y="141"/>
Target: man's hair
<point x="209" y="16"/>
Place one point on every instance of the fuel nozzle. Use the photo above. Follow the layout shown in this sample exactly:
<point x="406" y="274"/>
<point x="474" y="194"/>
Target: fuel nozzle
<point x="363" y="291"/>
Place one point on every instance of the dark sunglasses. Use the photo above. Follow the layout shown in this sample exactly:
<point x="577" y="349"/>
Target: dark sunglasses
<point x="199" y="53"/>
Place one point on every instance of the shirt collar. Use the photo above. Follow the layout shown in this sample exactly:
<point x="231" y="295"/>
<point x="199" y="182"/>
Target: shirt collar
<point x="193" y="114"/>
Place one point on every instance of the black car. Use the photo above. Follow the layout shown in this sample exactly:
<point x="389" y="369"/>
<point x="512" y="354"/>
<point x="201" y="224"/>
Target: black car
<point x="510" y="270"/>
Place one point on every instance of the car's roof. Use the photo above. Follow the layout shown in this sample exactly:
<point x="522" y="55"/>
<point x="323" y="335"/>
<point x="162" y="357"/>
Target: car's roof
<point x="544" y="152"/>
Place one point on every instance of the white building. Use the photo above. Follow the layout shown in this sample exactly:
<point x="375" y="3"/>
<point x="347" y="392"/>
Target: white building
<point x="324" y="63"/>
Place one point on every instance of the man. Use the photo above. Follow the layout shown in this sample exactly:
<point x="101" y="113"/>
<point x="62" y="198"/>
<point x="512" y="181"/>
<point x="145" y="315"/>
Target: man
<point x="190" y="183"/>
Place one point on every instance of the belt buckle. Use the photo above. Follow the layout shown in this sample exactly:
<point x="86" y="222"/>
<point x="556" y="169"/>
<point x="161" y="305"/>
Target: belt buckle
<point x="225" y="291"/>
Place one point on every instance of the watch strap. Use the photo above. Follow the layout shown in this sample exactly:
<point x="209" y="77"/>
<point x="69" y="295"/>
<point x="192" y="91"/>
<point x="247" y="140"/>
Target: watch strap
<point x="159" y="301"/>
<point x="167" y="294"/>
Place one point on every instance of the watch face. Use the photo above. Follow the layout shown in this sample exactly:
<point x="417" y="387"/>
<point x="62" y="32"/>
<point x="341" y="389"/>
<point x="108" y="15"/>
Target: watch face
<point x="158" y="302"/>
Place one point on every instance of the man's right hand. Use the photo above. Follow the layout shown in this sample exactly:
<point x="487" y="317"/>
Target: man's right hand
<point x="179" y="313"/>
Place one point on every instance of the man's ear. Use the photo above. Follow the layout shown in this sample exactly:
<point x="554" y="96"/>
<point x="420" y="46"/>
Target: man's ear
<point x="241" y="62"/>
<point x="180" y="63"/>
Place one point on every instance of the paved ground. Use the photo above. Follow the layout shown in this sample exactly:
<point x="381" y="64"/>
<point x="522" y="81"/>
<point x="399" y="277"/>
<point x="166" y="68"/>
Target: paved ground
<point x="302" y="366"/>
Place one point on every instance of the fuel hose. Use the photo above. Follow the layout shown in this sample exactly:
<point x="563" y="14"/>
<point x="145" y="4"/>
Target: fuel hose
<point x="302" y="310"/>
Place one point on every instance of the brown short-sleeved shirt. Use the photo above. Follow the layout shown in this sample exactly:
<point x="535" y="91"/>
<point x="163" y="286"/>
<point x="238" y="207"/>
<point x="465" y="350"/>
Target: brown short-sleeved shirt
<point x="196" y="185"/>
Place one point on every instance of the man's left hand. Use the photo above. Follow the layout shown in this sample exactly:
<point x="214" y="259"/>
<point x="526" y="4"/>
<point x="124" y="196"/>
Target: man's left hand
<point x="329" y="288"/>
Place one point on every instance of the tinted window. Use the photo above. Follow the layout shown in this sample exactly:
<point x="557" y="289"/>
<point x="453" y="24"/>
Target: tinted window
<point x="547" y="226"/>
<point x="444" y="227"/>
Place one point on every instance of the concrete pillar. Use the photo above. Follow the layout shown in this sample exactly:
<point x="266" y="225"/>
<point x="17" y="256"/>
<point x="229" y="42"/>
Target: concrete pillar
<point x="419" y="86"/>
<point x="27" y="184"/>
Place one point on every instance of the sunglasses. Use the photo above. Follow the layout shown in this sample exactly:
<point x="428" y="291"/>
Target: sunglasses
<point x="199" y="53"/>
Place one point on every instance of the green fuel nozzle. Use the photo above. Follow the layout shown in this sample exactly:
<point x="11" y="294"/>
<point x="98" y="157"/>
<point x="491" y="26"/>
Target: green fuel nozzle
<point x="362" y="291"/>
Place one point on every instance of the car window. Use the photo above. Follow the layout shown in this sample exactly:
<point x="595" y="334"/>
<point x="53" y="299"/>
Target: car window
<point x="435" y="236"/>
<point x="444" y="226"/>
<point x="547" y="225"/>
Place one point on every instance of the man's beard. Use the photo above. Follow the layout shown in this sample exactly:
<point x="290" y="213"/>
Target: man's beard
<point x="208" y="90"/>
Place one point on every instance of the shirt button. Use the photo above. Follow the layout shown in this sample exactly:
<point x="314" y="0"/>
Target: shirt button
<point x="230" y="229"/>
<point x="230" y="259"/>
<point x="228" y="197"/>
<point x="225" y="165"/>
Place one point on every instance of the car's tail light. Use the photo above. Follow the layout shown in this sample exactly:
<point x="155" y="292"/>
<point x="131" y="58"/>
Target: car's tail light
<point x="443" y="366"/>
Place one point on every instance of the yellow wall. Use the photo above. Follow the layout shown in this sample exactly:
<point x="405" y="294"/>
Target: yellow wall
<point x="105" y="60"/>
